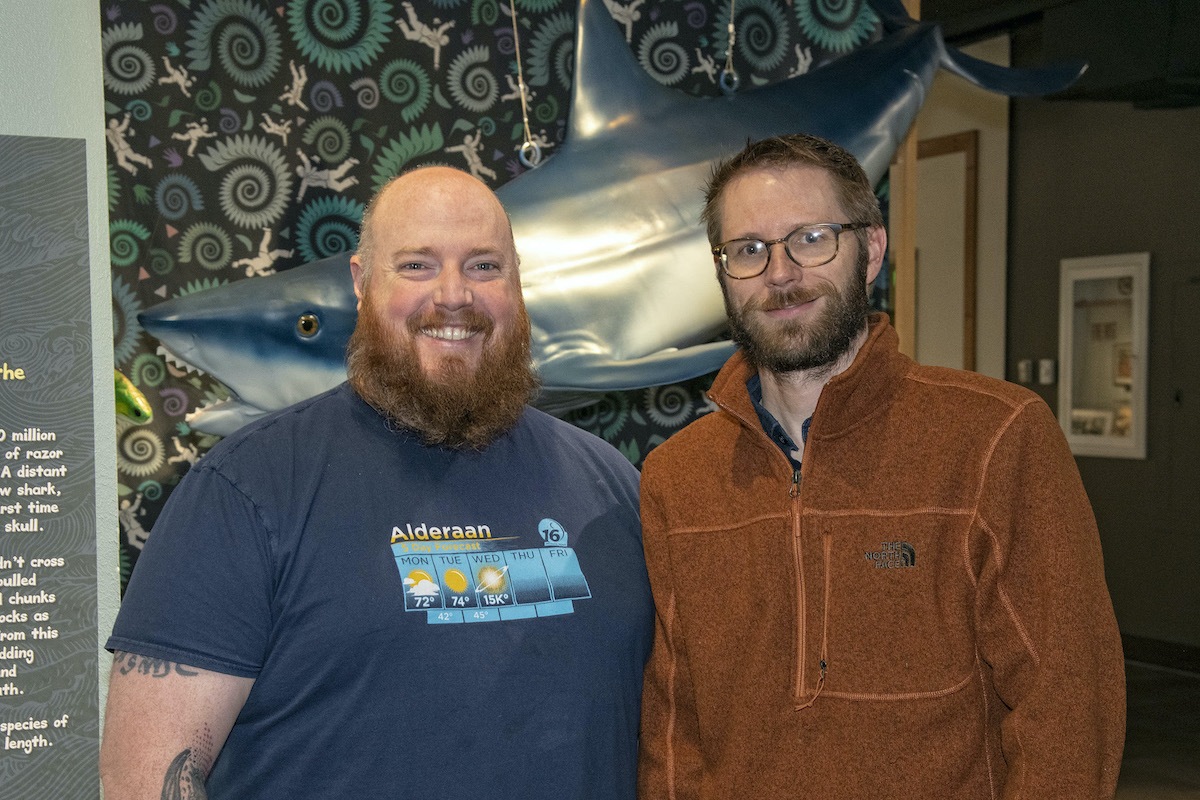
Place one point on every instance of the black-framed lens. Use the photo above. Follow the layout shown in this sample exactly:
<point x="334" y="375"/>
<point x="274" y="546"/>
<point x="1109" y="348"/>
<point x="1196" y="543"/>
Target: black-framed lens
<point x="810" y="245"/>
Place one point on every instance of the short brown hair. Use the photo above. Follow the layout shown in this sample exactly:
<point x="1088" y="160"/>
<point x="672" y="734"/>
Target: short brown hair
<point x="854" y="191"/>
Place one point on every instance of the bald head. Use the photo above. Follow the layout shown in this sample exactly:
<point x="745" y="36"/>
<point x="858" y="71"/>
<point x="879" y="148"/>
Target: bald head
<point x="426" y="188"/>
<point x="442" y="340"/>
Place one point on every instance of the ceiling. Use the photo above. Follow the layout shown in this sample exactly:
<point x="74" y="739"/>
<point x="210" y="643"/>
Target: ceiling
<point x="965" y="21"/>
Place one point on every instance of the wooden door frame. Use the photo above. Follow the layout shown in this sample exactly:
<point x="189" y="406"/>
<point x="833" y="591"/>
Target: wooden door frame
<point x="966" y="143"/>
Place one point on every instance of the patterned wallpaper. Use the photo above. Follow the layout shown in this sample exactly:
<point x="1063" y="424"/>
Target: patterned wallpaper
<point x="245" y="137"/>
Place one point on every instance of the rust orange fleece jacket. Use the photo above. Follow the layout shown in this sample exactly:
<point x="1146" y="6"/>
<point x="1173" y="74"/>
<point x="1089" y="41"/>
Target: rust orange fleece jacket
<point x="921" y="613"/>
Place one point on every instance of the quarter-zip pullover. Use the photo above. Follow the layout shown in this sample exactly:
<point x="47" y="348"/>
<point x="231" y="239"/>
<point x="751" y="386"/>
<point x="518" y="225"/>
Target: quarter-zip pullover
<point x="919" y="612"/>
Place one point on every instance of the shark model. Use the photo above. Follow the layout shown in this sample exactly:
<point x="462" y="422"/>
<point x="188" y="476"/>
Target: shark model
<point x="615" y="267"/>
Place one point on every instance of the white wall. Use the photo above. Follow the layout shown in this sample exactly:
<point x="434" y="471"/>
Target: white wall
<point x="954" y="106"/>
<point x="51" y="85"/>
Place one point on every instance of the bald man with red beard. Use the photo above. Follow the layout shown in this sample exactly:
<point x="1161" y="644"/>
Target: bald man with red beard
<point x="412" y="585"/>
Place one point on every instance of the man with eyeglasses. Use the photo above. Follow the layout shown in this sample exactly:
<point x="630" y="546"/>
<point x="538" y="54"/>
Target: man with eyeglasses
<point x="873" y="579"/>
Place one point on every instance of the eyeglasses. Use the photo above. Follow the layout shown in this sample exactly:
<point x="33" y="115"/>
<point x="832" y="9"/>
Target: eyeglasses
<point x="808" y="246"/>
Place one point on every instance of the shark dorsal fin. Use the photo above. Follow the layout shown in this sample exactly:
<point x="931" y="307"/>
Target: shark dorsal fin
<point x="608" y="80"/>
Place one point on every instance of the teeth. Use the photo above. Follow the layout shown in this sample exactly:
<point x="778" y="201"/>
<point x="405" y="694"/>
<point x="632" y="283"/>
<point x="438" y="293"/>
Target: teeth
<point x="182" y="367"/>
<point x="452" y="334"/>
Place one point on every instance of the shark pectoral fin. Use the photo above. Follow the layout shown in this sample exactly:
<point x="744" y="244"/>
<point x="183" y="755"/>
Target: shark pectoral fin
<point x="1013" y="81"/>
<point x="222" y="419"/>
<point x="590" y="371"/>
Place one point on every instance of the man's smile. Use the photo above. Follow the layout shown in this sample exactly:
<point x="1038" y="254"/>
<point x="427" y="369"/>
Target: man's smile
<point x="449" y="333"/>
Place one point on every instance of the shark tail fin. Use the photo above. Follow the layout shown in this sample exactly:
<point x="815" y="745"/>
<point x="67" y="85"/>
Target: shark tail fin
<point x="1013" y="81"/>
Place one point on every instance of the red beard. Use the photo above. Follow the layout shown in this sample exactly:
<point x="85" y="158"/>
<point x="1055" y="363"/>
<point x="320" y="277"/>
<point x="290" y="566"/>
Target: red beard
<point x="456" y="407"/>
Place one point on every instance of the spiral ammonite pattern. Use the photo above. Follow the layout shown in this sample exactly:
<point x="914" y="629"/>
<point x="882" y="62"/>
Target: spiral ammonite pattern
<point x="139" y="452"/>
<point x="174" y="402"/>
<point x="472" y="84"/>
<point x="139" y="109"/>
<point x="761" y="34"/>
<point x="605" y="418"/>
<point x="406" y="83"/>
<point x="697" y="14"/>
<point x="669" y="406"/>
<point x="147" y="370"/>
<point x="209" y="97"/>
<point x="331" y="139"/>
<point x="403" y="149"/>
<point x="229" y="121"/>
<point x="485" y="12"/>
<point x="837" y="25"/>
<point x="238" y="35"/>
<point x="552" y="50"/>
<point x="165" y="20"/>
<point x="125" y="239"/>
<point x="325" y="96"/>
<point x="328" y="226"/>
<point x="340" y="35"/>
<point x="366" y="92"/>
<point x="128" y="68"/>
<point x="207" y="245"/>
<point x="176" y="195"/>
<point x="150" y="490"/>
<point x="126" y="328"/>
<point x="663" y="57"/>
<point x="160" y="261"/>
<point x="256" y="183"/>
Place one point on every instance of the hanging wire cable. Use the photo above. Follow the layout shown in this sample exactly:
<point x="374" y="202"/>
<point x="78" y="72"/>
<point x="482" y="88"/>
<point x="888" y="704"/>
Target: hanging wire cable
<point x="729" y="77"/>
<point x="530" y="153"/>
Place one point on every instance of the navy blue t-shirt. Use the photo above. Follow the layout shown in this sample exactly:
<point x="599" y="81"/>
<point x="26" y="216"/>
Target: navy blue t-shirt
<point x="419" y="622"/>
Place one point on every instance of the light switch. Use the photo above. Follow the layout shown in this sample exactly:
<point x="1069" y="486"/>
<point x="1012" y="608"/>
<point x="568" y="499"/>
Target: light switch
<point x="1045" y="371"/>
<point x="1025" y="370"/>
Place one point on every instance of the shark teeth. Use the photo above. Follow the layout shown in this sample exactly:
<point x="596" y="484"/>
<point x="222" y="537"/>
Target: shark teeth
<point x="207" y="406"/>
<point x="448" y="332"/>
<point x="181" y="367"/>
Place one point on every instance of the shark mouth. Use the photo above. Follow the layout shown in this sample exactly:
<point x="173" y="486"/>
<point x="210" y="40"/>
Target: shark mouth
<point x="209" y="415"/>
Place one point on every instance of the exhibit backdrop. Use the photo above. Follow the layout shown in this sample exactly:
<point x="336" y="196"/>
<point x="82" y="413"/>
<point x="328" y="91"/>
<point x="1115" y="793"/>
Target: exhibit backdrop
<point x="246" y="137"/>
<point x="56" y="401"/>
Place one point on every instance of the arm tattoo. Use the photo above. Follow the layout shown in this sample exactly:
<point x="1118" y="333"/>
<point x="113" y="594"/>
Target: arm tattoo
<point x="154" y="667"/>
<point x="184" y="779"/>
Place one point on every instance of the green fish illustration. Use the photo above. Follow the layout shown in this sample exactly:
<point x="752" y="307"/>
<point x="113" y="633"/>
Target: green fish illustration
<point x="131" y="403"/>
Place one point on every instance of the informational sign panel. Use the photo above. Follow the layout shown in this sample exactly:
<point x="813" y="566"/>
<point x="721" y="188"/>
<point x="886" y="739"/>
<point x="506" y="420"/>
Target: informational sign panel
<point x="49" y="737"/>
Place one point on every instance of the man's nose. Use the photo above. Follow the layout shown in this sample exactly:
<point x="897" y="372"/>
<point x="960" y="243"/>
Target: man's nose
<point x="453" y="290"/>
<point x="781" y="268"/>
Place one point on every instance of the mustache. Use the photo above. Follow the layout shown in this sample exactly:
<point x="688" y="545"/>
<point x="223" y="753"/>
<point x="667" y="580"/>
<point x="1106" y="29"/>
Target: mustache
<point x="778" y="300"/>
<point x="472" y="319"/>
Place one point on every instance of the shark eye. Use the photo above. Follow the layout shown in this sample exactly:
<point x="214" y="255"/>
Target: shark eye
<point x="308" y="325"/>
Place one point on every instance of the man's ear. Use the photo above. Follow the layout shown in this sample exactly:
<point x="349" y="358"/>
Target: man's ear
<point x="357" y="272"/>
<point x="876" y="249"/>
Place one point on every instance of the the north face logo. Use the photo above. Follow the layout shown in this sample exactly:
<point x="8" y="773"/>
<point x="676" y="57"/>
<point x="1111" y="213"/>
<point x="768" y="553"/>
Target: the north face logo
<point x="893" y="555"/>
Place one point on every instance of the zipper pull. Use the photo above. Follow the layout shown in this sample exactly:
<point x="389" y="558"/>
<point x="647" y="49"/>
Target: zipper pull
<point x="795" y="490"/>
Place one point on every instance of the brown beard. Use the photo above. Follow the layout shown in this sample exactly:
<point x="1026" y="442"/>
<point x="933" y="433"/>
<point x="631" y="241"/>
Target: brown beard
<point x="796" y="345"/>
<point x="458" y="407"/>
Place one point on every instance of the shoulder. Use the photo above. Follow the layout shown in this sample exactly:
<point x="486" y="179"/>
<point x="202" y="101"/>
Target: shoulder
<point x="554" y="437"/>
<point x="295" y="432"/>
<point x="706" y="439"/>
<point x="969" y="390"/>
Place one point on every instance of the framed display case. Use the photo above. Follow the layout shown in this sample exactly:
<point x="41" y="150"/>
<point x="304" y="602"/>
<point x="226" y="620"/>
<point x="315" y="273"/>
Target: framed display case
<point x="1102" y="332"/>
